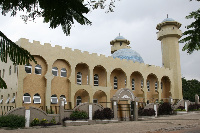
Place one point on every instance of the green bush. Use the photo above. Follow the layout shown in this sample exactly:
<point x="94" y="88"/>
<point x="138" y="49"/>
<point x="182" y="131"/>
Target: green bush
<point x="35" y="122"/>
<point x="12" y="121"/>
<point x="165" y="109"/>
<point x="78" y="115"/>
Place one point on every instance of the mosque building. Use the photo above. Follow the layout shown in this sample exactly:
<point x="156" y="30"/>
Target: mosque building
<point x="80" y="77"/>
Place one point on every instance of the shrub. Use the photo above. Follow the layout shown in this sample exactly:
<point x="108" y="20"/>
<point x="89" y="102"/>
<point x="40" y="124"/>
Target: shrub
<point x="12" y="121"/>
<point x="181" y="108"/>
<point x="165" y="109"/>
<point x="106" y="113"/>
<point x="78" y="115"/>
<point x="193" y="107"/>
<point x="146" y="112"/>
<point x="53" y="121"/>
<point x="35" y="122"/>
<point x="49" y="111"/>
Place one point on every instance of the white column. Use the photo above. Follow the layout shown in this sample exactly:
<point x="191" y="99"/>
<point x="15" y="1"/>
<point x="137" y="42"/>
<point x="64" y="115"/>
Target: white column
<point x="90" y="112"/>
<point x="27" y="116"/>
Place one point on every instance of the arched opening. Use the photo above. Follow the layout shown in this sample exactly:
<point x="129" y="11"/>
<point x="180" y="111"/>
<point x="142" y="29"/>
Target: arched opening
<point x="118" y="80"/>
<point x="100" y="71"/>
<point x="100" y="97"/>
<point x="152" y="88"/>
<point x="37" y="98"/>
<point x="137" y="83"/>
<point x="165" y="87"/>
<point x="84" y="70"/>
<point x="82" y="95"/>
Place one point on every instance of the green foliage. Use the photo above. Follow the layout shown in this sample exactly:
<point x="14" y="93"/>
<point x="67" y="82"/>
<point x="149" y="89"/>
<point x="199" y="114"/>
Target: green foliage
<point x="49" y="111"/>
<point x="35" y="122"/>
<point x="192" y="39"/>
<point x="165" y="109"/>
<point x="190" y="88"/>
<point x="12" y="121"/>
<point x="78" y="115"/>
<point x="179" y="110"/>
<point x="194" y="107"/>
<point x="17" y="54"/>
<point x="44" y="122"/>
<point x="53" y="121"/>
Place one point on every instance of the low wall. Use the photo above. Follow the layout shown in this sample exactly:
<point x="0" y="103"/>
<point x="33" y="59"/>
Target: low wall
<point x="17" y="111"/>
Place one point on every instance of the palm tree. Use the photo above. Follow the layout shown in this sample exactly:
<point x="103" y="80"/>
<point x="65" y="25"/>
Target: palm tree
<point x="17" y="54"/>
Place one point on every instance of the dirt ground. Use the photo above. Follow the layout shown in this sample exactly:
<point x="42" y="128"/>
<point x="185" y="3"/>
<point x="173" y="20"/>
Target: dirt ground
<point x="187" y="123"/>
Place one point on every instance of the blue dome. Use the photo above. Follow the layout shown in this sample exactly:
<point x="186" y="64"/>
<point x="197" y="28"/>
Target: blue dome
<point x="128" y="54"/>
<point x="168" y="19"/>
<point x="119" y="37"/>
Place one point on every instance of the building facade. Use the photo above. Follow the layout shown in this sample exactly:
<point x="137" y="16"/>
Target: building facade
<point x="80" y="77"/>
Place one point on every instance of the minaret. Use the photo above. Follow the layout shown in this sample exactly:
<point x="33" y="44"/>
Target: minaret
<point x="169" y="35"/>
<point x="119" y="43"/>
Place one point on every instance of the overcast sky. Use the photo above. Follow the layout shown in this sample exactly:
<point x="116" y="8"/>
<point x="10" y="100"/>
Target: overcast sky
<point x="135" y="20"/>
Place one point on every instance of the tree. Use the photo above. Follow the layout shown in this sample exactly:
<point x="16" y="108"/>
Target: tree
<point x="192" y="38"/>
<point x="190" y="88"/>
<point x="17" y="54"/>
<point x="55" y="12"/>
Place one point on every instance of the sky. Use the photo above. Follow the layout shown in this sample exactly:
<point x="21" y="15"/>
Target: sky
<point x="136" y="20"/>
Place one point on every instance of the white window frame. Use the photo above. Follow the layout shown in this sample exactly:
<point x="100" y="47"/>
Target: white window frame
<point x="53" y="69"/>
<point x="26" y="96"/>
<point x="63" y="71"/>
<point x="156" y="86"/>
<point x="54" y="97"/>
<point x="97" y="80"/>
<point x="28" y="67"/>
<point x="38" y="67"/>
<point x="1" y="101"/>
<point x="142" y="84"/>
<point x="133" y="84"/>
<point x="13" y="100"/>
<point x="148" y="85"/>
<point x="115" y="83"/>
<point x="7" y="100"/>
<point x="80" y="78"/>
<point x="36" y="97"/>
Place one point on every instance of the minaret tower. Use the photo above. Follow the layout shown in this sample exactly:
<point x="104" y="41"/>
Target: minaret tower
<point x="119" y="43"/>
<point x="169" y="35"/>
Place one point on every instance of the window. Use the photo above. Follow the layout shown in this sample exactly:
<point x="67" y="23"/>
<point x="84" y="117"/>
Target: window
<point x="79" y="78"/>
<point x="3" y="73"/>
<point x="10" y="70"/>
<point x="7" y="101"/>
<point x="148" y="85"/>
<point x="38" y="69"/>
<point x="63" y="72"/>
<point x="28" y="68"/>
<point x="161" y="85"/>
<point x="36" y="98"/>
<point x="27" y="98"/>
<point x="95" y="101"/>
<point x="13" y="99"/>
<point x="142" y="83"/>
<point x="133" y="84"/>
<point x="78" y="100"/>
<point x="64" y="98"/>
<point x="96" y="80"/>
<point x="115" y="82"/>
<point x="156" y="86"/>
<point x="55" y="71"/>
<point x="15" y="68"/>
<point x="54" y="99"/>
<point x="1" y="100"/>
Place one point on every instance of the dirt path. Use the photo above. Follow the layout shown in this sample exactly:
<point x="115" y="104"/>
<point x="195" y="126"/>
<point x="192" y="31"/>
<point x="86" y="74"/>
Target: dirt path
<point x="188" y="123"/>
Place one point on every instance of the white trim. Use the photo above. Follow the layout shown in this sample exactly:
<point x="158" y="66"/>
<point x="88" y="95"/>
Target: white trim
<point x="63" y="71"/>
<point x="40" y="69"/>
<point x="54" y="98"/>
<point x="28" y="67"/>
<point x="53" y="69"/>
<point x="27" y="96"/>
<point x="36" y="97"/>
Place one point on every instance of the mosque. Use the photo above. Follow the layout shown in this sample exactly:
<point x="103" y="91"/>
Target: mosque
<point x="80" y="77"/>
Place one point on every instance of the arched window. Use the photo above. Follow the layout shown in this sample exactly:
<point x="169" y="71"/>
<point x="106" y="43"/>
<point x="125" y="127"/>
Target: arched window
<point x="79" y="78"/>
<point x="96" y="80"/>
<point x="27" y="98"/>
<point x="54" y="99"/>
<point x="148" y="85"/>
<point x="78" y="100"/>
<point x="28" y="68"/>
<point x="36" y="98"/>
<point x="142" y="83"/>
<point x="55" y="71"/>
<point x="10" y="70"/>
<point x="13" y="99"/>
<point x="38" y="69"/>
<point x="63" y="72"/>
<point x="7" y="100"/>
<point x="115" y="82"/>
<point x="64" y="98"/>
<point x="156" y="86"/>
<point x="133" y="84"/>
